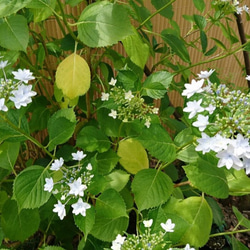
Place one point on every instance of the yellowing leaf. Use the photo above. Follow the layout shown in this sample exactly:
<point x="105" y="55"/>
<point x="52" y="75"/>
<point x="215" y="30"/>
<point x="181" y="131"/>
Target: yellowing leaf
<point x="73" y="76"/>
<point x="133" y="156"/>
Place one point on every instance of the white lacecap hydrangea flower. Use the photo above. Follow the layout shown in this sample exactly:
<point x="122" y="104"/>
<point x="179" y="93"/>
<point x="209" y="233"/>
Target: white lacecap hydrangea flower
<point x="80" y="207"/>
<point x="57" y="164"/>
<point x="59" y="208"/>
<point x="193" y="108"/>
<point x="113" y="113"/>
<point x="23" y="75"/>
<point x="49" y="184"/>
<point x="202" y="122"/>
<point x="3" y="107"/>
<point x="117" y="243"/>
<point x="148" y="223"/>
<point x="193" y="87"/>
<point x="112" y="82"/>
<point x="129" y="95"/>
<point x="78" y="156"/>
<point x="168" y="226"/>
<point x="77" y="188"/>
<point x="205" y="74"/>
<point x="104" y="96"/>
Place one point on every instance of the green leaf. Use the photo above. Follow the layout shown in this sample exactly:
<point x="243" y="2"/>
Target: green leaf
<point x="8" y="7"/>
<point x="19" y="225"/>
<point x="8" y="154"/>
<point x="106" y="162"/>
<point x="133" y="156"/>
<point x="199" y="5"/>
<point x="85" y="224"/>
<point x="218" y="217"/>
<point x="237" y="245"/>
<point x="61" y="126"/>
<point x="151" y="188"/>
<point x="203" y="38"/>
<point x="208" y="178"/>
<point x="92" y="139"/>
<point x="137" y="50"/>
<point x="111" y="217"/>
<point x="188" y="154"/>
<point x="103" y="24"/>
<point x="200" y="21"/>
<point x="166" y="12"/>
<point x="238" y="182"/>
<point x="73" y="76"/>
<point x="242" y="220"/>
<point x="197" y="213"/>
<point x="14" y="33"/>
<point x="211" y="51"/>
<point x="15" y="129"/>
<point x="157" y="84"/>
<point x="158" y="142"/>
<point x="117" y="180"/>
<point x="3" y="198"/>
<point x="219" y="43"/>
<point x="177" y="45"/>
<point x="28" y="188"/>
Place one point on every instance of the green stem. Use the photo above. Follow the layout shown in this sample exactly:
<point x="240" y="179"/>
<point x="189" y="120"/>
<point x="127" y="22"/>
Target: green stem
<point x="155" y="13"/>
<point x="30" y="138"/>
<point x="229" y="233"/>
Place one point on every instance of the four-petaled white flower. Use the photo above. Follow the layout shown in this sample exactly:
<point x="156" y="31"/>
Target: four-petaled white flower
<point x="60" y="210"/>
<point x="192" y="88"/>
<point x="205" y="143"/>
<point x="22" y="95"/>
<point x="193" y="107"/>
<point x="168" y="226"/>
<point x="57" y="164"/>
<point x="49" y="184"/>
<point x="77" y="188"/>
<point x="129" y="95"/>
<point x="202" y="122"/>
<point x="148" y="223"/>
<point x="78" y="156"/>
<point x="113" y="113"/>
<point x="248" y="77"/>
<point x="23" y="75"/>
<point x="104" y="96"/>
<point x="205" y="74"/>
<point x="117" y="243"/>
<point x="155" y="110"/>
<point x="112" y="82"/>
<point x="3" y="64"/>
<point x="2" y="105"/>
<point x="80" y="207"/>
<point x="211" y="108"/>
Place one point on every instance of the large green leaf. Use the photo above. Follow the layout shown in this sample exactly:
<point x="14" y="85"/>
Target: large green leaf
<point x="111" y="217"/>
<point x="14" y="33"/>
<point x="133" y="156"/>
<point x="117" y="180"/>
<point x="208" y="178"/>
<point x="158" y="142"/>
<point x="103" y="24"/>
<point x="8" y="154"/>
<point x="8" y="7"/>
<point x="197" y="213"/>
<point x="28" y="188"/>
<point x="176" y="44"/>
<point x="92" y="139"/>
<point x="199" y="5"/>
<point x="151" y="188"/>
<point x="137" y="50"/>
<point x="61" y="126"/>
<point x="242" y="220"/>
<point x="19" y="225"/>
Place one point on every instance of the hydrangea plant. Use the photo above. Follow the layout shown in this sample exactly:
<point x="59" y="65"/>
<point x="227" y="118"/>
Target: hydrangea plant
<point x="93" y="155"/>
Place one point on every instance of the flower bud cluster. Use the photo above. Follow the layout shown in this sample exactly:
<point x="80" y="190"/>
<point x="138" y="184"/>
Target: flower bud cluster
<point x="71" y="186"/>
<point x="20" y="92"/>
<point x="145" y="240"/>
<point x="222" y="115"/>
<point x="128" y="106"/>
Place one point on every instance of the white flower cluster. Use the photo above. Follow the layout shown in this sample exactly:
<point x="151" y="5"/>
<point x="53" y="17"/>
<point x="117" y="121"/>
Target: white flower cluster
<point x="75" y="180"/>
<point x="147" y="240"/>
<point x="18" y="92"/>
<point x="235" y="6"/>
<point x="223" y="118"/>
<point x="128" y="106"/>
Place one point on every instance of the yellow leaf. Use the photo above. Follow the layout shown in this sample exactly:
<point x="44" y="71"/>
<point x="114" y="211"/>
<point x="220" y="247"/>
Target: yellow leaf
<point x="73" y="76"/>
